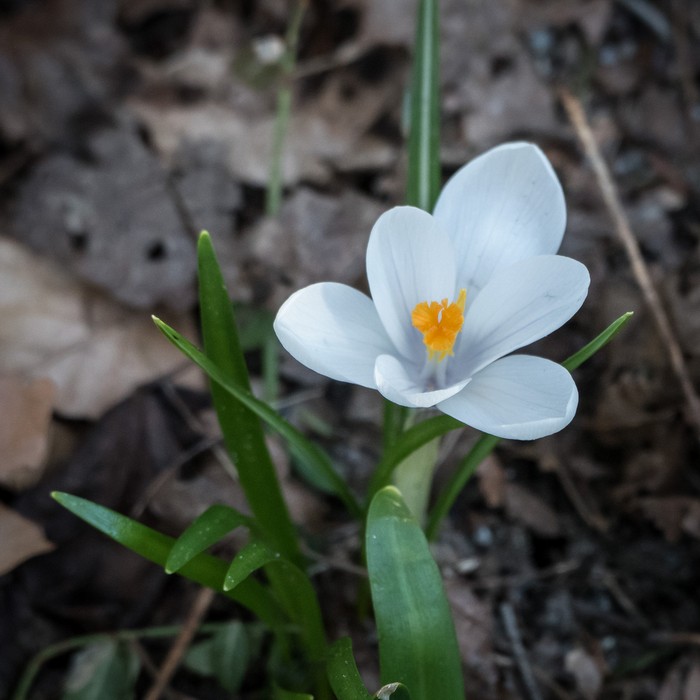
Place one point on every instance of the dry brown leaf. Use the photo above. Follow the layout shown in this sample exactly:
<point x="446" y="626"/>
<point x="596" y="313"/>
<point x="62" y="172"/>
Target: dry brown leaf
<point x="111" y="219"/>
<point x="474" y="627"/>
<point x="492" y="482"/>
<point x="26" y="416"/>
<point x="21" y="539"/>
<point x="532" y="511"/>
<point x="94" y="350"/>
<point x="586" y="672"/>
<point x="673" y="515"/>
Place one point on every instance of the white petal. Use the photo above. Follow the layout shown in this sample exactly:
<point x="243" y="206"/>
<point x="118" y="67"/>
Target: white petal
<point x="518" y="397"/>
<point x="518" y="306"/>
<point x="503" y="206"/>
<point x="400" y="382"/>
<point x="408" y="261"/>
<point x="334" y="330"/>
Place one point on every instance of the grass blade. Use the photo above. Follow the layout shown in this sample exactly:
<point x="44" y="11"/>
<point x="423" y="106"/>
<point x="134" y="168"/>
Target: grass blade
<point x="154" y="546"/>
<point x="206" y="530"/>
<point x="424" y="137"/>
<point x="303" y="449"/>
<point x="242" y="430"/>
<point x="486" y="443"/>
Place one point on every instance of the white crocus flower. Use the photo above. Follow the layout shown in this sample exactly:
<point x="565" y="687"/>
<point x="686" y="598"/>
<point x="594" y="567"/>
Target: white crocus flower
<point x="452" y="295"/>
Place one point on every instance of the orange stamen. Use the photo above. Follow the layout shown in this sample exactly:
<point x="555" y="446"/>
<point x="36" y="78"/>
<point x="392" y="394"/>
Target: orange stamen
<point x="440" y="323"/>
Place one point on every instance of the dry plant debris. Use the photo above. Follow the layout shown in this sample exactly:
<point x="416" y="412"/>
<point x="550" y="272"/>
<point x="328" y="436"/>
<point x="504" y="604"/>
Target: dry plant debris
<point x="127" y="125"/>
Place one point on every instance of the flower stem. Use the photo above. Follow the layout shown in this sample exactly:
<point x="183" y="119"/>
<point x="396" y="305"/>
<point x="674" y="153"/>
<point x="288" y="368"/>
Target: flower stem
<point x="273" y="196"/>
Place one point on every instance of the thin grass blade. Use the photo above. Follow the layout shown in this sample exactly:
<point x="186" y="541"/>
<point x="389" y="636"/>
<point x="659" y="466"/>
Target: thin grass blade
<point x="242" y="430"/>
<point x="154" y="546"/>
<point x="216" y="522"/>
<point x="424" y="137"/>
<point x="302" y="448"/>
<point x="486" y="443"/>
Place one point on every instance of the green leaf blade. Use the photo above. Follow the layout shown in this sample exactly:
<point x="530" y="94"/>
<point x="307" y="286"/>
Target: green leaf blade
<point x="251" y="558"/>
<point x="424" y="138"/>
<point x="343" y="675"/>
<point x="599" y="342"/>
<point x="417" y="641"/>
<point x="152" y="545"/>
<point x="216" y="522"/>
<point x="314" y="457"/>
<point x="241" y="427"/>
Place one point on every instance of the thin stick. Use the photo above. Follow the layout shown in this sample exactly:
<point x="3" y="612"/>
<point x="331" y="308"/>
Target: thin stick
<point x="611" y="198"/>
<point x="181" y="643"/>
<point x="521" y="661"/>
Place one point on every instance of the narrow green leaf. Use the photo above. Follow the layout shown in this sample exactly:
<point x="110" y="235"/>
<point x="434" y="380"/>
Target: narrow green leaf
<point x="242" y="430"/>
<point x="600" y="341"/>
<point x="424" y="138"/>
<point x="305" y="450"/>
<point x="343" y="675"/>
<point x="482" y="449"/>
<point x="295" y="594"/>
<point x="486" y="443"/>
<point x="251" y="558"/>
<point x="154" y="546"/>
<point x="417" y="641"/>
<point x="395" y="417"/>
<point x="406" y="444"/>
<point x="217" y="521"/>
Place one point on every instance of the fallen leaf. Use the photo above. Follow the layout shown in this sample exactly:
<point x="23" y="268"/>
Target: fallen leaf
<point x="21" y="539"/>
<point x="112" y="220"/>
<point x="474" y="627"/>
<point x="586" y="672"/>
<point x="492" y="482"/>
<point x="26" y="416"/>
<point x="673" y="515"/>
<point x="316" y="237"/>
<point x="94" y="350"/>
<point x="531" y="510"/>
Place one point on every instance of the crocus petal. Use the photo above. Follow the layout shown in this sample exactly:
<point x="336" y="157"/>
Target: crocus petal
<point x="408" y="261"/>
<point x="401" y="384"/>
<point x="334" y="330"/>
<point x="504" y="206"/>
<point x="518" y="397"/>
<point x="518" y="306"/>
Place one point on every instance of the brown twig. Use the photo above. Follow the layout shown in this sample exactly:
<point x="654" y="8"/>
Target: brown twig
<point x="181" y="644"/>
<point x="510" y="625"/>
<point x="577" y="116"/>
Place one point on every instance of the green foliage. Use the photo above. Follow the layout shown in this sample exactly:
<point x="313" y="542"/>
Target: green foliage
<point x="417" y="641"/>
<point x="343" y="674"/>
<point x="314" y="458"/>
<point x="241" y="427"/>
<point x="225" y="655"/>
<point x="486" y="443"/>
<point x="599" y="342"/>
<point x="424" y="137"/>
<point x="103" y="670"/>
<point x="216" y="522"/>
<point x="154" y="546"/>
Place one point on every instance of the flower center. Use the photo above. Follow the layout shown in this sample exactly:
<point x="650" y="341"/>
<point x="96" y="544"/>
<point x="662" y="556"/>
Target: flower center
<point x="440" y="323"/>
